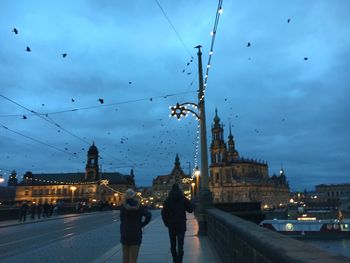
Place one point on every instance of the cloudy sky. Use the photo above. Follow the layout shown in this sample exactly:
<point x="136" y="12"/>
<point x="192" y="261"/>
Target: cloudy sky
<point x="283" y="108"/>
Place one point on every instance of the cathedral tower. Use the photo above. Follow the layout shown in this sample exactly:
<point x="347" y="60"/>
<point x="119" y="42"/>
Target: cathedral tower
<point x="232" y="153"/>
<point x="218" y="146"/>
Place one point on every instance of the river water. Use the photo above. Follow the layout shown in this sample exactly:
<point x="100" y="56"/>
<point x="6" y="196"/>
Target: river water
<point x="338" y="246"/>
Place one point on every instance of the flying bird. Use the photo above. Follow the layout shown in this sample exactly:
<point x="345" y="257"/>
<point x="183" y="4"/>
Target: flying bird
<point x="183" y="71"/>
<point x="305" y="58"/>
<point x="248" y="45"/>
<point x="130" y="82"/>
<point x="288" y="20"/>
<point x="64" y="55"/>
<point x="101" y="101"/>
<point x="15" y="30"/>
<point x="28" y="49"/>
<point x="73" y="100"/>
<point x="189" y="73"/>
<point x="24" y="117"/>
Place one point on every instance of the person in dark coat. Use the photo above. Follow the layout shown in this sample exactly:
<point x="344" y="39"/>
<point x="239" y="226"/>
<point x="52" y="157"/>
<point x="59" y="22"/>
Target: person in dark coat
<point x="32" y="211"/>
<point x="23" y="212"/>
<point x="131" y="224"/>
<point x="39" y="209"/>
<point x="174" y="217"/>
<point x="46" y="210"/>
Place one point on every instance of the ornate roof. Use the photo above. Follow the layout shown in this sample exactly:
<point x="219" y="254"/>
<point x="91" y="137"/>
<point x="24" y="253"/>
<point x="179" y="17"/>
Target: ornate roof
<point x="93" y="149"/>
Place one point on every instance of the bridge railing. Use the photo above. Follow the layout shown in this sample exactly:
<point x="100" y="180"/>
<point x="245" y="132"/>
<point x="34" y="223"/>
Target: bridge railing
<point x="239" y="241"/>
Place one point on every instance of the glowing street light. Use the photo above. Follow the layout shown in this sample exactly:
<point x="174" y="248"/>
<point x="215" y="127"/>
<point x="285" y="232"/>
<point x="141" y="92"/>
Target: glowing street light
<point x="197" y="174"/>
<point x="193" y="192"/>
<point x="73" y="188"/>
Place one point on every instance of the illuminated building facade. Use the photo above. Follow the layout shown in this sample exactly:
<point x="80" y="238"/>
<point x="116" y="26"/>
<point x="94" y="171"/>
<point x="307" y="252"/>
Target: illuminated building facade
<point x="237" y="179"/>
<point x="162" y="184"/>
<point x="91" y="186"/>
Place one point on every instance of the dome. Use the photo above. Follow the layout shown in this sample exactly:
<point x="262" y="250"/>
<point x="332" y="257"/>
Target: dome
<point x="93" y="149"/>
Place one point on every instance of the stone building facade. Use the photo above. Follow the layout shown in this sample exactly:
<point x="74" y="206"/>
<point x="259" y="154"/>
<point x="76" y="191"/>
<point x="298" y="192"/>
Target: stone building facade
<point x="162" y="184"/>
<point x="237" y="179"/>
<point x="335" y="193"/>
<point x="91" y="186"/>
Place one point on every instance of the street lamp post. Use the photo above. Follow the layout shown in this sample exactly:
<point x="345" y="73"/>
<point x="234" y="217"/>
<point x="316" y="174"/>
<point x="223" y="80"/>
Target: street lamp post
<point x="205" y="196"/>
<point x="197" y="174"/>
<point x="73" y="188"/>
<point x="193" y="190"/>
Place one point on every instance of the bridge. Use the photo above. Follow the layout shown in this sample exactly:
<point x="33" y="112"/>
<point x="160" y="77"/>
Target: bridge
<point x="228" y="239"/>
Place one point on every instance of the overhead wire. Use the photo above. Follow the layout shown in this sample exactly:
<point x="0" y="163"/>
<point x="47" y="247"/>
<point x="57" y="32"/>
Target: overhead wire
<point x="36" y="140"/>
<point x="213" y="34"/>
<point x="97" y="106"/>
<point x="52" y="122"/>
<point x="173" y="27"/>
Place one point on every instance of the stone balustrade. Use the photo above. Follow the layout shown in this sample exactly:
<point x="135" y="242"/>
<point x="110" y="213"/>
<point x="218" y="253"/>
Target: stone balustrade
<point x="239" y="241"/>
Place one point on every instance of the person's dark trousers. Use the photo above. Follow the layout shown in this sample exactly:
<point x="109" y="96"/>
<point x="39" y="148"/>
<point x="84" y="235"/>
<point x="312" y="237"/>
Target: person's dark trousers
<point x="179" y="237"/>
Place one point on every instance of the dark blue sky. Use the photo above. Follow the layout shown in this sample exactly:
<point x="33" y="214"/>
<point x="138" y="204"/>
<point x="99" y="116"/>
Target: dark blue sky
<point x="299" y="107"/>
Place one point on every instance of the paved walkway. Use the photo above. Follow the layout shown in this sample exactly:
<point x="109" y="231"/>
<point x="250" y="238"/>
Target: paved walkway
<point x="155" y="246"/>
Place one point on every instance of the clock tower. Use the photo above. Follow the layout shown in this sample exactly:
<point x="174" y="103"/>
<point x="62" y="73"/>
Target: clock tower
<point x="92" y="170"/>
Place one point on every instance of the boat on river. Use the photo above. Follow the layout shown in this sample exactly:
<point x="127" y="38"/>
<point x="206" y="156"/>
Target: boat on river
<point x="310" y="228"/>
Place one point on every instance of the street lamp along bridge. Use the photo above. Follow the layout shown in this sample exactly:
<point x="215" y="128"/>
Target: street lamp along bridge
<point x="182" y="110"/>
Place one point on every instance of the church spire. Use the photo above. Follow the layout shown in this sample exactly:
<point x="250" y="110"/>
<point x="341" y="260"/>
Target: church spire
<point x="177" y="160"/>
<point x="218" y="146"/>
<point x="216" y="118"/>
<point x="230" y="137"/>
<point x="232" y="154"/>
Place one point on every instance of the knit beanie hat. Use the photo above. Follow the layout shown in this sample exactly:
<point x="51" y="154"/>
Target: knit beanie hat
<point x="129" y="194"/>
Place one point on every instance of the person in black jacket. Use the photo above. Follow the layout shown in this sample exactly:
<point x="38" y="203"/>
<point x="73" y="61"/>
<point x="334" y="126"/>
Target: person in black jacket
<point x="174" y="217"/>
<point x="131" y="224"/>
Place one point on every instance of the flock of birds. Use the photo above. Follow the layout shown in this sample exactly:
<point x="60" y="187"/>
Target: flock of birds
<point x="158" y="145"/>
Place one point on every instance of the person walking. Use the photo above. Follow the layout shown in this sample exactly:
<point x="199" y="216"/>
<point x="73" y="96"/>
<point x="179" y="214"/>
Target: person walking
<point x="39" y="209"/>
<point x="23" y="212"/>
<point x="131" y="224"/>
<point x="32" y="211"/>
<point x="173" y="214"/>
<point x="46" y="210"/>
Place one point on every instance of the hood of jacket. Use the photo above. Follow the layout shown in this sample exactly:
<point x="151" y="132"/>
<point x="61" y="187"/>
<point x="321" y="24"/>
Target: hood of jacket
<point x="131" y="204"/>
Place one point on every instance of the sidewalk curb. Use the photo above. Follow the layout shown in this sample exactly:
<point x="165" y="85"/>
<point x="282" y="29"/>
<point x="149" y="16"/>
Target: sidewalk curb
<point x="30" y="221"/>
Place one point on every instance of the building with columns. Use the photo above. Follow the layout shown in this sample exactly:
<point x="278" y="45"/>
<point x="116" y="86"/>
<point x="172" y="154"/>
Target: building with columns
<point x="237" y="179"/>
<point x="91" y="186"/>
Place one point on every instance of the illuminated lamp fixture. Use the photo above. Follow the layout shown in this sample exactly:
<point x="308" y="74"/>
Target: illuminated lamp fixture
<point x="180" y="110"/>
